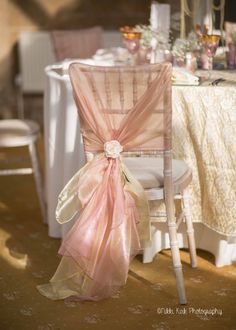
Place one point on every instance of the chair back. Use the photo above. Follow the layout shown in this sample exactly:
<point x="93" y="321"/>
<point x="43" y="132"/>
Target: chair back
<point x="35" y="53"/>
<point x="76" y="43"/>
<point x="130" y="104"/>
<point x="229" y="29"/>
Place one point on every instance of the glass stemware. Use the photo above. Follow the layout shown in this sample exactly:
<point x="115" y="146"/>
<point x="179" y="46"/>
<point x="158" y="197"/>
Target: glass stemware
<point x="210" y="43"/>
<point x="131" y="39"/>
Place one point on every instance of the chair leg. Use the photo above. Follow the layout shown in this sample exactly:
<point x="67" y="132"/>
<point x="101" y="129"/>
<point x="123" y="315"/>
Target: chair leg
<point x="190" y="229"/>
<point x="147" y="255"/>
<point x="20" y="101"/>
<point x="150" y="251"/>
<point x="38" y="178"/>
<point x="174" y="245"/>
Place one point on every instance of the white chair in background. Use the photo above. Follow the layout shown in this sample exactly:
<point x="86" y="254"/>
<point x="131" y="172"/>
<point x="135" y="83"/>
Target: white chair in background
<point x="23" y="133"/>
<point x="83" y="43"/>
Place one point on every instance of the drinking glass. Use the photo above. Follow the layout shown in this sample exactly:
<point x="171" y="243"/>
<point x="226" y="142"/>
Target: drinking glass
<point x="210" y="43"/>
<point x="131" y="39"/>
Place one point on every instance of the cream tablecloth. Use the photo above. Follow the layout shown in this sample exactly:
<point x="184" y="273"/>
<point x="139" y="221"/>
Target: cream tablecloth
<point x="204" y="131"/>
<point x="63" y="148"/>
<point x="204" y="135"/>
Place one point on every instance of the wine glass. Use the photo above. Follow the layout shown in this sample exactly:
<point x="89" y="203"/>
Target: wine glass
<point x="210" y="43"/>
<point x="131" y="39"/>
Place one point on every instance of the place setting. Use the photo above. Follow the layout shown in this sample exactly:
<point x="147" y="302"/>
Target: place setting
<point x="192" y="58"/>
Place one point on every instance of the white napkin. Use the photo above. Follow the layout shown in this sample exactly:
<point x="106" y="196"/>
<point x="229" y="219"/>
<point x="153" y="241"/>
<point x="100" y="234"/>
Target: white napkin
<point x="111" y="56"/>
<point x="103" y="54"/>
<point x="66" y="63"/>
<point x="181" y="76"/>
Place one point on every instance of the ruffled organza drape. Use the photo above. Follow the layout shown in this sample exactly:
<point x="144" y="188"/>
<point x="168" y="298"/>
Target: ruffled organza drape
<point x="113" y="224"/>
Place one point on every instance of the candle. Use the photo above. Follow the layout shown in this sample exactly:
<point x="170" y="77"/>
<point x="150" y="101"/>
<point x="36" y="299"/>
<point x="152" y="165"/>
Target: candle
<point x="168" y="56"/>
<point x="154" y="16"/>
<point x="190" y="62"/>
<point x="160" y="18"/>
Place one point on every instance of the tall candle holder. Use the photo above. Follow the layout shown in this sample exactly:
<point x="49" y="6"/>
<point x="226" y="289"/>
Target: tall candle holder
<point x="131" y="39"/>
<point x="210" y="43"/>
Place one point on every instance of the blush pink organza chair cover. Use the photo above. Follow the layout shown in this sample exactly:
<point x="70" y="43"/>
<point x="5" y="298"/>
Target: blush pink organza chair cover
<point x="76" y="43"/>
<point x="118" y="108"/>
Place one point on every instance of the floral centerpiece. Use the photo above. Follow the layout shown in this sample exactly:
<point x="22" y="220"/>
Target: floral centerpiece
<point x="154" y="42"/>
<point x="147" y="36"/>
<point x="187" y="50"/>
<point x="191" y="44"/>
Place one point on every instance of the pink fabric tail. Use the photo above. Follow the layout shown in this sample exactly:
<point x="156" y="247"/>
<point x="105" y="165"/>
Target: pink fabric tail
<point x="104" y="239"/>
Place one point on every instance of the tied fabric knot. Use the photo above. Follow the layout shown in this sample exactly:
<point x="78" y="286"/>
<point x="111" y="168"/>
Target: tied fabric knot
<point x="113" y="149"/>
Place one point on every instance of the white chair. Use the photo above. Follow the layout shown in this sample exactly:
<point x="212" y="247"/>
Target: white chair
<point x="118" y="93"/>
<point x="20" y="133"/>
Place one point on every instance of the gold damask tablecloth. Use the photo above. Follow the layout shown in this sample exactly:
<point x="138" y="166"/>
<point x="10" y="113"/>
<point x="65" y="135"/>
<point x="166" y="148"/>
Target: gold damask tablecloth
<point x="204" y="135"/>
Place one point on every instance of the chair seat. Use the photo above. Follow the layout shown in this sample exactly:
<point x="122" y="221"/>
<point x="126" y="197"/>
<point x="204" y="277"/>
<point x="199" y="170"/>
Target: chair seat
<point x="149" y="172"/>
<point x="16" y="133"/>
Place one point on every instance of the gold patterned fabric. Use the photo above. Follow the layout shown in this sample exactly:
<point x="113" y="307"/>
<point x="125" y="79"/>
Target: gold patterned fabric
<point x="204" y="135"/>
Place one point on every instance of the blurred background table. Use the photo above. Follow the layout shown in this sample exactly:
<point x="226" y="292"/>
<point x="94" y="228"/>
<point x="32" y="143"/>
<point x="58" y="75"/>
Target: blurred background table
<point x="204" y="130"/>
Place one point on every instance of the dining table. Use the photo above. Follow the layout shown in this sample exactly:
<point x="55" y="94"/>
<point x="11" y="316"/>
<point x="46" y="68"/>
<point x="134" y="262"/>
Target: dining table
<point x="204" y="132"/>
